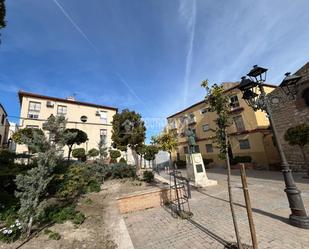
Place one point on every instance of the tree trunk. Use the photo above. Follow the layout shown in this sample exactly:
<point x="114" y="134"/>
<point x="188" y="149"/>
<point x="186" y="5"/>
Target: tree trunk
<point x="29" y="226"/>
<point x="135" y="156"/>
<point x="305" y="159"/>
<point x="69" y="153"/>
<point x="231" y="197"/>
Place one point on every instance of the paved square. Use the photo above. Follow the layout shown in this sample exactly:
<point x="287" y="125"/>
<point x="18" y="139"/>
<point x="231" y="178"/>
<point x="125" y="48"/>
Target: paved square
<point x="212" y="222"/>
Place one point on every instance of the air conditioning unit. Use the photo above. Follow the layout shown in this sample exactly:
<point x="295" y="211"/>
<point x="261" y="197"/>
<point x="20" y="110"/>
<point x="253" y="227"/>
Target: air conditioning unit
<point x="50" y="104"/>
<point x="97" y="113"/>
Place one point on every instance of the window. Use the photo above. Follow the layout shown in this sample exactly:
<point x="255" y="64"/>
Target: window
<point x="103" y="117"/>
<point x="191" y="118"/>
<point x="185" y="149"/>
<point x="32" y="126"/>
<point x="203" y="111"/>
<point x="206" y="127"/>
<point x="2" y="119"/>
<point x="234" y="101"/>
<point x="197" y="149"/>
<point x="34" y="110"/>
<point x="103" y="134"/>
<point x="194" y="131"/>
<point x="239" y="123"/>
<point x="61" y="110"/>
<point x="209" y="148"/>
<point x="244" y="144"/>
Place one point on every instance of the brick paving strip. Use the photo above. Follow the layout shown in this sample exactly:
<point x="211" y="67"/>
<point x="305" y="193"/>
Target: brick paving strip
<point x="212" y="224"/>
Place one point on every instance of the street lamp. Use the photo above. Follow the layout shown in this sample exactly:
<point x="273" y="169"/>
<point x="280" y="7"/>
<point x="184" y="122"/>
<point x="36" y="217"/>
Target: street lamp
<point x="256" y="97"/>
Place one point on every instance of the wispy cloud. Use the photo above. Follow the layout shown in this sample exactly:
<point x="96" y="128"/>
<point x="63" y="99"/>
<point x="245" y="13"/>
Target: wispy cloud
<point x="76" y="26"/>
<point x="187" y="11"/>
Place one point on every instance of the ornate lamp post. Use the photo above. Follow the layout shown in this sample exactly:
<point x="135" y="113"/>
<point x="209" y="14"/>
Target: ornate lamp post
<point x="256" y="97"/>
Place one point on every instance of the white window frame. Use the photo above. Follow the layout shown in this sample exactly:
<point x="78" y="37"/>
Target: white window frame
<point x="206" y="125"/>
<point x="203" y="111"/>
<point x="103" y="133"/>
<point x="103" y="118"/>
<point x="237" y="104"/>
<point x="34" y="109"/>
<point x="62" y="108"/>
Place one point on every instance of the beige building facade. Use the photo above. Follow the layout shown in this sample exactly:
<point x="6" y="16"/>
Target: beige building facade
<point x="292" y="112"/>
<point x="93" y="119"/>
<point x="249" y="134"/>
<point x="4" y="127"/>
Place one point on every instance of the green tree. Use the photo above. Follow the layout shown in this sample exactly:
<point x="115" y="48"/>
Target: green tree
<point x="219" y="103"/>
<point x="79" y="153"/>
<point x="166" y="142"/>
<point x="31" y="186"/>
<point x="93" y="153"/>
<point x="114" y="154"/>
<point x="73" y="136"/>
<point x="102" y="148"/>
<point x="299" y="136"/>
<point x="128" y="131"/>
<point x="151" y="152"/>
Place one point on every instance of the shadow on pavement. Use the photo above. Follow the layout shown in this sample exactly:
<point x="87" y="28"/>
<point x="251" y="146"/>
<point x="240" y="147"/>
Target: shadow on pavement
<point x="256" y="210"/>
<point x="263" y="174"/>
<point x="210" y="233"/>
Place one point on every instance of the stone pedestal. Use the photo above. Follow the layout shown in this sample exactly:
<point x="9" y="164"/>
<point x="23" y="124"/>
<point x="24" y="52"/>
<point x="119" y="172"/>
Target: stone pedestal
<point x="196" y="171"/>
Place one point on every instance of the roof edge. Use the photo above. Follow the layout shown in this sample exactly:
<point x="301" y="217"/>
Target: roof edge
<point x="200" y="102"/>
<point x="22" y="94"/>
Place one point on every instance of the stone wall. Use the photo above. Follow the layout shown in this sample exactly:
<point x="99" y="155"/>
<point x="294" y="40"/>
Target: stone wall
<point x="289" y="113"/>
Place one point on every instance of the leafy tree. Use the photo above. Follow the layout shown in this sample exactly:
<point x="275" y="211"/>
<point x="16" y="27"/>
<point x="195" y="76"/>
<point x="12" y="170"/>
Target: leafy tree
<point x="31" y="186"/>
<point x="102" y="148"/>
<point x="141" y="151"/>
<point x="128" y="131"/>
<point x="219" y="103"/>
<point x="166" y="142"/>
<point x="79" y="153"/>
<point x="33" y="138"/>
<point x="299" y="135"/>
<point x="151" y="152"/>
<point x="93" y="153"/>
<point x="114" y="154"/>
<point x="73" y="136"/>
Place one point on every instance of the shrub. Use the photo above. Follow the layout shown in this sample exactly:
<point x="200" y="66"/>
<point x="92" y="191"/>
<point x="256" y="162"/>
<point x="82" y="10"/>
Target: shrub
<point x="114" y="154"/>
<point x="148" y="176"/>
<point x="54" y="236"/>
<point x="93" y="186"/>
<point x="79" y="153"/>
<point x="7" y="157"/>
<point x="122" y="170"/>
<point x="113" y="160"/>
<point x="62" y="214"/>
<point x="122" y="160"/>
<point x="93" y="152"/>
<point x="79" y="218"/>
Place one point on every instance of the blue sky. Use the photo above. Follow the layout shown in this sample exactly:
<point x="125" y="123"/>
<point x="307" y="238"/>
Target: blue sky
<point x="145" y="55"/>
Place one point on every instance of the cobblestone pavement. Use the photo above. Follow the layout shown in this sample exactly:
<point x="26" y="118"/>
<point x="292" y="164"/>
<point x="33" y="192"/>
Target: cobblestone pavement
<point x="212" y="223"/>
